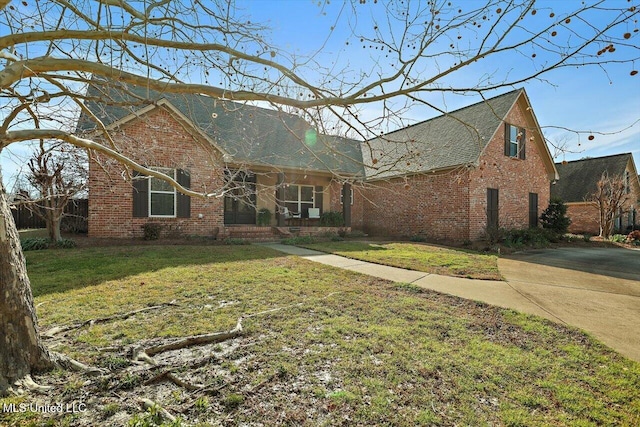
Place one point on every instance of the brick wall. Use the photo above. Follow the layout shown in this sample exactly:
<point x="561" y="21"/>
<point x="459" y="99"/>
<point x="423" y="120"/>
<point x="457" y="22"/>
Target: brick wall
<point x="514" y="178"/>
<point x="432" y="205"/>
<point x="156" y="139"/>
<point x="585" y="218"/>
<point x="452" y="206"/>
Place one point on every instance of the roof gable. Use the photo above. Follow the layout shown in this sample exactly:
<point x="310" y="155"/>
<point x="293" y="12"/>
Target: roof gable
<point x="579" y="178"/>
<point x="246" y="134"/>
<point x="453" y="139"/>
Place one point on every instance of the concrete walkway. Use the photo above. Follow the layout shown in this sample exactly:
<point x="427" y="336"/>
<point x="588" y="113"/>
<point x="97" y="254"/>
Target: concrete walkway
<point x="612" y="319"/>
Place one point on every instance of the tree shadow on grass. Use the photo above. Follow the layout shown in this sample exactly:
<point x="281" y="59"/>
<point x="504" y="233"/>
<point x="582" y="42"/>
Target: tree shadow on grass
<point x="60" y="270"/>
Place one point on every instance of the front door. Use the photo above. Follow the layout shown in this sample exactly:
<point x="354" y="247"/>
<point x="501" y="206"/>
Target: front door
<point x="240" y="202"/>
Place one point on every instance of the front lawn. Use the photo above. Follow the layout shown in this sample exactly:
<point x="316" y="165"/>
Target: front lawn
<point x="417" y="256"/>
<point x="320" y="346"/>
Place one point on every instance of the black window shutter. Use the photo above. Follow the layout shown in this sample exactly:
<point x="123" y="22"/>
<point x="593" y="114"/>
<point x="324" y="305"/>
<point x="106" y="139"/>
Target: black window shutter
<point x="140" y="196"/>
<point x="507" y="141"/>
<point x="492" y="208"/>
<point x="319" y="199"/>
<point x="523" y="144"/>
<point x="533" y="209"/>
<point x="184" y="202"/>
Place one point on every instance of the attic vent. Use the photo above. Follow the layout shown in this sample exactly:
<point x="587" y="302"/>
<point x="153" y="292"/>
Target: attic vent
<point x="214" y="115"/>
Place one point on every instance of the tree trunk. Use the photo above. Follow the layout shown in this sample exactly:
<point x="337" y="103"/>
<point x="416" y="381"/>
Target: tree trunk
<point x="53" y="226"/>
<point x="21" y="350"/>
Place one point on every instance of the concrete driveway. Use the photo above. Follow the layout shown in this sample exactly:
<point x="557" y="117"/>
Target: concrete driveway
<point x="595" y="289"/>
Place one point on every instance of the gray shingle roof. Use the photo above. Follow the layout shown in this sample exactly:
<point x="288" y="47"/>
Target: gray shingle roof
<point x="250" y="134"/>
<point x="454" y="139"/>
<point x="578" y="178"/>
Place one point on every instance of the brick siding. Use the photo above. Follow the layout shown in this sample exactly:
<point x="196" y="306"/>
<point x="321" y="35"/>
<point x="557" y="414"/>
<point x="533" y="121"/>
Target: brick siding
<point x="156" y="139"/>
<point x="434" y="206"/>
<point x="452" y="205"/>
<point x="585" y="218"/>
<point x="448" y="205"/>
<point x="514" y="178"/>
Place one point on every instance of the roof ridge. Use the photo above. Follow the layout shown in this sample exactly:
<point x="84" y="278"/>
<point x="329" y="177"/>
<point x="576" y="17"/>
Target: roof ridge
<point x="448" y="113"/>
<point x="594" y="158"/>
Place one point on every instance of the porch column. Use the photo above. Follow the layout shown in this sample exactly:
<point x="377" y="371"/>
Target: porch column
<point x="346" y="204"/>
<point x="280" y="199"/>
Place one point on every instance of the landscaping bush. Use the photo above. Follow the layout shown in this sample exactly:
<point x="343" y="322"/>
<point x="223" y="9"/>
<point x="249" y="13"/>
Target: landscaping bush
<point x="35" y="243"/>
<point x="634" y="237"/>
<point x="331" y="219"/>
<point x="264" y="217"/>
<point x="555" y="217"/>
<point x="356" y="234"/>
<point x="41" y="243"/>
<point x="534" y="237"/>
<point x="493" y="235"/>
<point x="618" y="238"/>
<point x="235" y="241"/>
<point x="418" y="238"/>
<point x="66" y="243"/>
<point x="152" y="231"/>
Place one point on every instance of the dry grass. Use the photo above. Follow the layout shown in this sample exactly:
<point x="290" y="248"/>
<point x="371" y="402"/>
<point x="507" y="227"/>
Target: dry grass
<point x="343" y="348"/>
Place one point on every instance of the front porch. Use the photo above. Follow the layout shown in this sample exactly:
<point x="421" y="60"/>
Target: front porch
<point x="286" y="201"/>
<point x="256" y="233"/>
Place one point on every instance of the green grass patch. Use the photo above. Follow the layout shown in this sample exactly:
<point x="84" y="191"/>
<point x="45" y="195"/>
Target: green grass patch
<point x="343" y="348"/>
<point x="416" y="256"/>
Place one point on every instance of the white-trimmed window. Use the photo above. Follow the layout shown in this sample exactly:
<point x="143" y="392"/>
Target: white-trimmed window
<point x="162" y="196"/>
<point x="299" y="198"/>
<point x="514" y="145"/>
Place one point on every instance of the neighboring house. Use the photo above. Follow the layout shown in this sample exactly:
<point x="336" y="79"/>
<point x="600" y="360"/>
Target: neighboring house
<point x="578" y="182"/>
<point x="261" y="158"/>
<point x="455" y="176"/>
<point x="450" y="177"/>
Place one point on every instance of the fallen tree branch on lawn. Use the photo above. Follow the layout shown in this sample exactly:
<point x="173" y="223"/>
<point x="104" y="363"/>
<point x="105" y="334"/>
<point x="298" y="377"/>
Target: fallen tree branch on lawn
<point x="196" y="340"/>
<point x="58" y="329"/>
<point x="66" y="362"/>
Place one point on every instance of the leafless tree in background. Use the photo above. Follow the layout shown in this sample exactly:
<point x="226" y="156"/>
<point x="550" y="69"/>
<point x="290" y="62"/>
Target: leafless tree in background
<point x="612" y="199"/>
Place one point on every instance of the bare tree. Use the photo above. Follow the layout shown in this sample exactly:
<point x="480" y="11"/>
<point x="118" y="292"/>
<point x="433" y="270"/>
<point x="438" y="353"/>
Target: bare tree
<point x="612" y="199"/>
<point x="413" y="50"/>
<point x="57" y="173"/>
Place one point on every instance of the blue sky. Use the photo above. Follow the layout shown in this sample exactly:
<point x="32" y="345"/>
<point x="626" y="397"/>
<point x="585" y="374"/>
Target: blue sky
<point x="586" y="99"/>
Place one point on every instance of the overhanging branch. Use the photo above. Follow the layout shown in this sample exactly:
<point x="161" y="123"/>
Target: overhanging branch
<point x="26" y="135"/>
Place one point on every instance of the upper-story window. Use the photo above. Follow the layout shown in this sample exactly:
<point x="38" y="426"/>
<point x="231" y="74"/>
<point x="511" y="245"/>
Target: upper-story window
<point x="514" y="144"/>
<point x="627" y="182"/>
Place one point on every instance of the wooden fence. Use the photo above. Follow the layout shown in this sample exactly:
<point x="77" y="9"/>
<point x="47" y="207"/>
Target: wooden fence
<point x="77" y="212"/>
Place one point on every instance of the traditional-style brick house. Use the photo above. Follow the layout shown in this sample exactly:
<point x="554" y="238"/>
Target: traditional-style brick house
<point x="452" y="177"/>
<point x="579" y="182"/>
<point x="261" y="158"/>
<point x="446" y="178"/>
